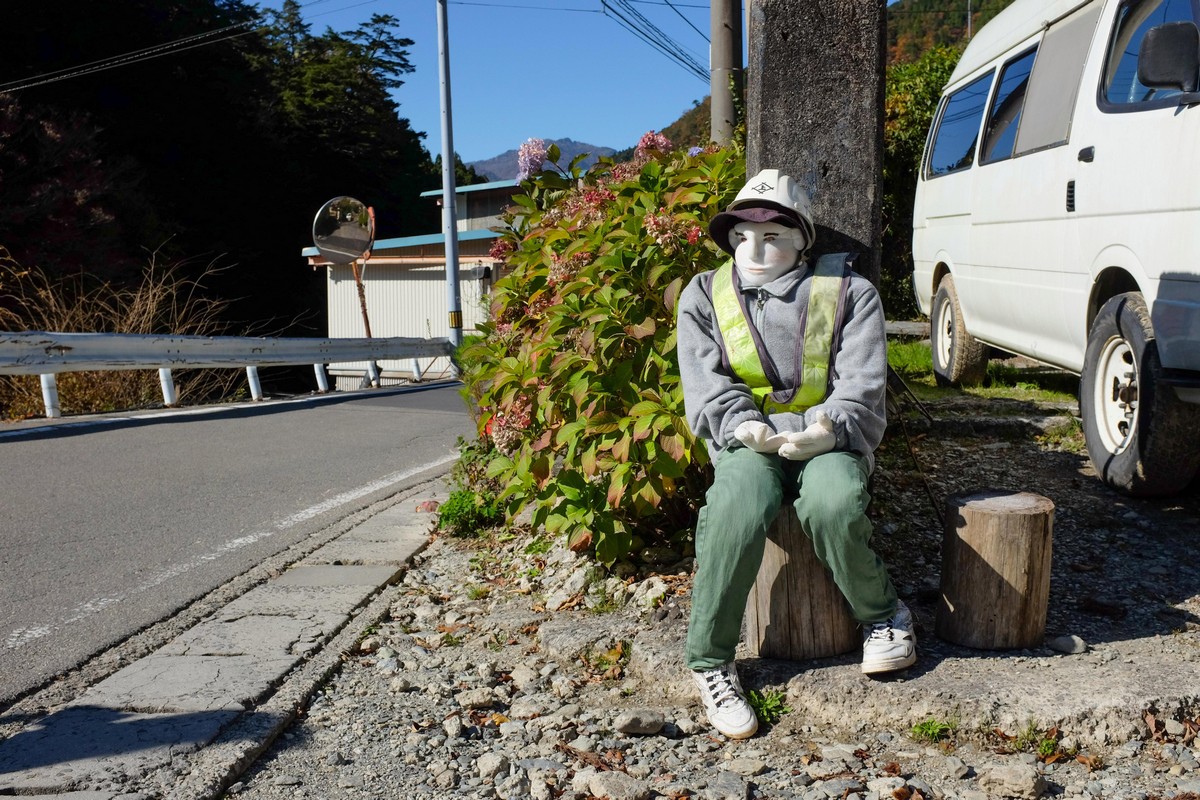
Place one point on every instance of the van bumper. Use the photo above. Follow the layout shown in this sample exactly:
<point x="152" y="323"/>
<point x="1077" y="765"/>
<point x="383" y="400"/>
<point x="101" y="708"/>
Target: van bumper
<point x="1176" y="320"/>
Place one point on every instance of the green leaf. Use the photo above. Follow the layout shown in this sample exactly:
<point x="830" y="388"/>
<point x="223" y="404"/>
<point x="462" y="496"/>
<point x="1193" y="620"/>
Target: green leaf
<point x="540" y="470"/>
<point x="645" y="328"/>
<point x="620" y="448"/>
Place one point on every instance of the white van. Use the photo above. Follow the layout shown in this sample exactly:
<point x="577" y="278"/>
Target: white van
<point x="1057" y="217"/>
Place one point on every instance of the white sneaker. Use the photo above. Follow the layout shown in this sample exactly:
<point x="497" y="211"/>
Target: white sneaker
<point x="725" y="702"/>
<point x="891" y="644"/>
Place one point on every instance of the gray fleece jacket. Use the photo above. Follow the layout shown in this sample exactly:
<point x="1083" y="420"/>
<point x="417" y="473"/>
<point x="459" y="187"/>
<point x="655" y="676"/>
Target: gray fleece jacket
<point x="716" y="401"/>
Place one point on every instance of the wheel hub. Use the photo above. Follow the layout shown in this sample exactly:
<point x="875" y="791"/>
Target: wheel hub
<point x="1116" y="398"/>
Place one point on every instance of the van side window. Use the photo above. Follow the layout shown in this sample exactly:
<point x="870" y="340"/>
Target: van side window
<point x="1005" y="116"/>
<point x="1054" y="84"/>
<point x="1121" y="85"/>
<point x="958" y="128"/>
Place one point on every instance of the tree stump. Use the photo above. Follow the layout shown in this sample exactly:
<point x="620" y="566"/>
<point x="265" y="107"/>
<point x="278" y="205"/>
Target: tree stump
<point x="795" y="611"/>
<point x="995" y="569"/>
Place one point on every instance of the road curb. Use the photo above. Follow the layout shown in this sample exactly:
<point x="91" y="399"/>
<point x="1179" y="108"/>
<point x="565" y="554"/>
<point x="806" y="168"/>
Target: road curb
<point x="209" y="696"/>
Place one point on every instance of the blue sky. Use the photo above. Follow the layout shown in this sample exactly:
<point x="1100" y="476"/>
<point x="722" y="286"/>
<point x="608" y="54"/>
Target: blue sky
<point x="553" y="69"/>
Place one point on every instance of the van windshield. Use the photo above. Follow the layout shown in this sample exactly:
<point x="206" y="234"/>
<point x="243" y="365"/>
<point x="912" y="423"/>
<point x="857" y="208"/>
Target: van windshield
<point x="1121" y="84"/>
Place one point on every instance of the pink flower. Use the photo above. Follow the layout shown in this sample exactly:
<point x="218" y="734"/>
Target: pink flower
<point x="652" y="140"/>
<point x="670" y="232"/>
<point x="564" y="269"/>
<point x="530" y="158"/>
<point x="508" y="427"/>
<point x="501" y="248"/>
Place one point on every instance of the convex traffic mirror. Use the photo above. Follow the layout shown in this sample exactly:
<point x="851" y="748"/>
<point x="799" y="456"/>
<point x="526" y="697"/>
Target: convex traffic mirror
<point x="344" y="230"/>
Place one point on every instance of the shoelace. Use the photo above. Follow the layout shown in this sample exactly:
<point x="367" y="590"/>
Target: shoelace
<point x="720" y="686"/>
<point x="883" y="630"/>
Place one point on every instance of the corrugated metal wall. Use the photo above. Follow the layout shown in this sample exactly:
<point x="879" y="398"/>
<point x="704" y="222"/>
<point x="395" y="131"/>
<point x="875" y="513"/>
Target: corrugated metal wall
<point x="402" y="301"/>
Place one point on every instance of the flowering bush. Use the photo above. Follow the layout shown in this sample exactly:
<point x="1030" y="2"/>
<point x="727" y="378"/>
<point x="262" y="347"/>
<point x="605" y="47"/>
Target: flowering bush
<point x="575" y="381"/>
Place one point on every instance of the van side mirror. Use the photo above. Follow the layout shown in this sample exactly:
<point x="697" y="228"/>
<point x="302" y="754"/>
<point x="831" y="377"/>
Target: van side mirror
<point x="1169" y="57"/>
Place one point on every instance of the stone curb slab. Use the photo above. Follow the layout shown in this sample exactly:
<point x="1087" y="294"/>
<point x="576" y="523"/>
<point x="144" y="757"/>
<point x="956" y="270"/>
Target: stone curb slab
<point x="83" y="743"/>
<point x="184" y="696"/>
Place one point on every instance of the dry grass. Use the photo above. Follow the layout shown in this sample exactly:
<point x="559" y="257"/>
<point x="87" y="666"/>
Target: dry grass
<point x="165" y="301"/>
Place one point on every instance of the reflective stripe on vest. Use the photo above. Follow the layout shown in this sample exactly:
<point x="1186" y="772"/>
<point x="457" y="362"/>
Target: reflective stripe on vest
<point x="743" y="356"/>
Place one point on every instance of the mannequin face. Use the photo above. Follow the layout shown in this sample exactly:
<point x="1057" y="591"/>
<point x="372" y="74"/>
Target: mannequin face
<point x="764" y="251"/>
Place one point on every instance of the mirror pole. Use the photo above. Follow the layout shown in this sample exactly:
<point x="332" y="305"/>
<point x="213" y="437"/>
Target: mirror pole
<point x="449" y="217"/>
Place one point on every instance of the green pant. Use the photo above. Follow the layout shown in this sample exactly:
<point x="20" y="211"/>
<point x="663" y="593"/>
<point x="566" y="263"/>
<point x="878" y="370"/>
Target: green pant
<point x="742" y="503"/>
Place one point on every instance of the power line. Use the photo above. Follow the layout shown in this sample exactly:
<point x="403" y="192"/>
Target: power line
<point x="668" y="2"/>
<point x="688" y="21"/>
<point x="156" y="51"/>
<point x="634" y="22"/>
<point x="177" y="46"/>
<point x="511" y="5"/>
<point x="663" y="44"/>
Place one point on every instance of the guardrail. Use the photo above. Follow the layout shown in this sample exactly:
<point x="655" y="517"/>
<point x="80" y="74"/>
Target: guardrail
<point x="47" y="354"/>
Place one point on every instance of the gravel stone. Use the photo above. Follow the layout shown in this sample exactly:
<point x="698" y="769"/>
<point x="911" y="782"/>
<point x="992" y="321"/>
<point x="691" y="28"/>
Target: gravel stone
<point x="640" y="722"/>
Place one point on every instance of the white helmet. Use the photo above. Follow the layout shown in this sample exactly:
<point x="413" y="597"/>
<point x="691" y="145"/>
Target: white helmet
<point x="769" y="189"/>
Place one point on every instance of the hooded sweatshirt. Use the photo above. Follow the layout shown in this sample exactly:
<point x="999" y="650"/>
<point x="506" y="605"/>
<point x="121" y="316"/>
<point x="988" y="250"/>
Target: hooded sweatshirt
<point x="716" y="401"/>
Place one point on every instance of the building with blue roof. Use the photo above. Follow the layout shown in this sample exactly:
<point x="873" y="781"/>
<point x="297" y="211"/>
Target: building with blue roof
<point x="404" y="279"/>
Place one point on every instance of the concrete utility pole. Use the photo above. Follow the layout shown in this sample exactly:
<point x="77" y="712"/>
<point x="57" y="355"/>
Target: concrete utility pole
<point x="814" y="108"/>
<point x="449" y="217"/>
<point x="725" y="67"/>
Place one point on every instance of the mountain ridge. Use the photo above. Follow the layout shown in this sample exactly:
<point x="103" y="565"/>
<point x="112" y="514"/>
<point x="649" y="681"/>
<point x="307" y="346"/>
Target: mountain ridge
<point x="504" y="166"/>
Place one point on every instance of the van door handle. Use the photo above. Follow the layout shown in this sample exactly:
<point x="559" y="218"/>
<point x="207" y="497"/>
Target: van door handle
<point x="1087" y="154"/>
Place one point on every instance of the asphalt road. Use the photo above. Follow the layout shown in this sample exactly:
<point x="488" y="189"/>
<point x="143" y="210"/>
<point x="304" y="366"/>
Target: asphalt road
<point x="109" y="527"/>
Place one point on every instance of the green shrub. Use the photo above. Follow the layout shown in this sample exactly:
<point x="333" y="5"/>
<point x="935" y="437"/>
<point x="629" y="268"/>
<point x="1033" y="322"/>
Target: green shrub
<point x="467" y="513"/>
<point x="576" y="382"/>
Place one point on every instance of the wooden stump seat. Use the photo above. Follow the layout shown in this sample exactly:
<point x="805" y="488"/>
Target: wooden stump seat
<point x="995" y="569"/>
<point x="795" y="611"/>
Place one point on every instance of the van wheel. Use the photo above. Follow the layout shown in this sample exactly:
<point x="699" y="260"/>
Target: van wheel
<point x="958" y="357"/>
<point x="1141" y="437"/>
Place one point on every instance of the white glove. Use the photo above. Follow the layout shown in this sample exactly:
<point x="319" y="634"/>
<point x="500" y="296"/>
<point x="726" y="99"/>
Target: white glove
<point x="759" y="437"/>
<point x="814" y="440"/>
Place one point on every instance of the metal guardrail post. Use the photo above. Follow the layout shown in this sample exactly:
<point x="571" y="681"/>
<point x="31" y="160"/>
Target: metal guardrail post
<point x="373" y="373"/>
<point x="255" y="387"/>
<point x="50" y="395"/>
<point x="322" y="378"/>
<point x="416" y="369"/>
<point x="170" y="399"/>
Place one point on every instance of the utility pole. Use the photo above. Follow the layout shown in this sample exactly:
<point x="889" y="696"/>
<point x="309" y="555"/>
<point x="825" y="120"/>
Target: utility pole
<point x="725" y="67"/>
<point x="968" y="20"/>
<point x="449" y="215"/>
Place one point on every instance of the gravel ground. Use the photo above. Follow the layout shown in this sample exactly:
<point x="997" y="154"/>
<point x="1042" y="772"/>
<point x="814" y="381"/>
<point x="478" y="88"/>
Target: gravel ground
<point x="507" y="674"/>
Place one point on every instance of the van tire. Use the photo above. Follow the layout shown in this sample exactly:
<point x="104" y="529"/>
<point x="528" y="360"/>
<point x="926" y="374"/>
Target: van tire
<point x="959" y="359"/>
<point x="1142" y="439"/>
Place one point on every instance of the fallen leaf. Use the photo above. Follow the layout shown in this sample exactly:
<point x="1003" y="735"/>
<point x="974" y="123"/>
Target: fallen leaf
<point x="570" y="603"/>
<point x="892" y="768"/>
<point x="1152" y="724"/>
<point x="902" y="793"/>
<point x="427" y="506"/>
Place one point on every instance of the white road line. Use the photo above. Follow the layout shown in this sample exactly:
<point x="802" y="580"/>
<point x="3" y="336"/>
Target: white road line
<point x="23" y="636"/>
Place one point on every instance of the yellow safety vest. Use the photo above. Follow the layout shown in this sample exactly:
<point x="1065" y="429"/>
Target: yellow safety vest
<point x="741" y="352"/>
